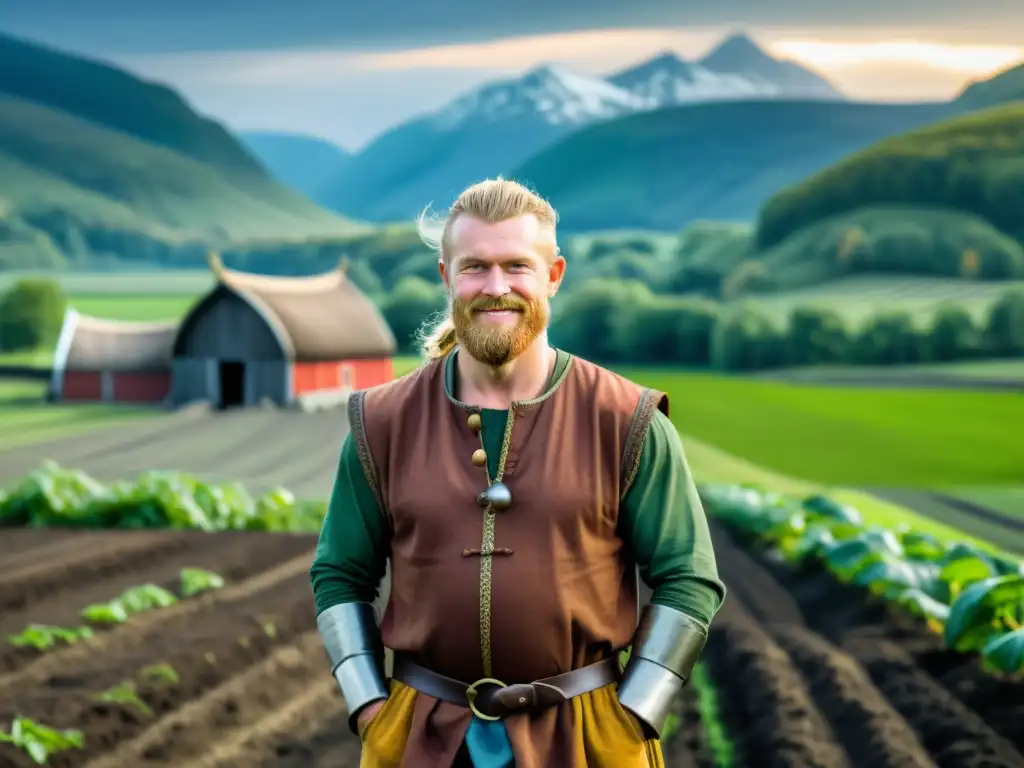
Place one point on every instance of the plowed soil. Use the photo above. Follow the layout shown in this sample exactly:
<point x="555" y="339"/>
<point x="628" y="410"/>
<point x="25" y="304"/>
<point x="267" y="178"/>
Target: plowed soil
<point x="808" y="673"/>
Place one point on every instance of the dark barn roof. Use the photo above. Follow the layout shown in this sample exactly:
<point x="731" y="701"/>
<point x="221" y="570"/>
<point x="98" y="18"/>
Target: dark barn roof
<point x="93" y="344"/>
<point x="318" y="318"/>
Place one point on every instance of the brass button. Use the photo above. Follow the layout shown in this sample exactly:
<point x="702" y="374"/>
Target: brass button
<point x="479" y="457"/>
<point x="474" y="422"/>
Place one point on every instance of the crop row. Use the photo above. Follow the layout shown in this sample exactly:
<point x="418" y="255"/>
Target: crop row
<point x="973" y="598"/>
<point x="39" y="741"/>
<point x="53" y="496"/>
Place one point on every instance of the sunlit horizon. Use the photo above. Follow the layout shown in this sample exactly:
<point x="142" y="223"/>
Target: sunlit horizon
<point x="289" y="89"/>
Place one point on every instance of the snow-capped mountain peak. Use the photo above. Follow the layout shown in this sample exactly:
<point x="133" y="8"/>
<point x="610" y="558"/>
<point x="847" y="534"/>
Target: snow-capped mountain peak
<point x="736" y="69"/>
<point x="559" y="96"/>
<point x="553" y="93"/>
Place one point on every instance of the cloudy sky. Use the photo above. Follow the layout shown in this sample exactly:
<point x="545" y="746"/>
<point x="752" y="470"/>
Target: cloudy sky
<point x="347" y="69"/>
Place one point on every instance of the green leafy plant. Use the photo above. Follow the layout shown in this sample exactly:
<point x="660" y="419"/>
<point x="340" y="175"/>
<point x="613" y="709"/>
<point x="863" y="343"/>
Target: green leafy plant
<point x="139" y="599"/>
<point x="972" y="598"/>
<point x="158" y="674"/>
<point x="196" y="580"/>
<point x="125" y="694"/>
<point x="54" y="496"/>
<point x="39" y="741"/>
<point x="42" y="636"/>
<point x="721" y="744"/>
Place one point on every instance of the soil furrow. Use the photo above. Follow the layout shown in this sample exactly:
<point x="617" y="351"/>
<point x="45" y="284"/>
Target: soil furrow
<point x="308" y="732"/>
<point x="751" y="583"/>
<point x="870" y="730"/>
<point x="898" y="653"/>
<point x="205" y="648"/>
<point x="233" y="555"/>
<point x="155" y="626"/>
<point x="843" y="614"/>
<point x="20" y="546"/>
<point x="230" y="712"/>
<point x="758" y="683"/>
<point x="90" y="557"/>
<point x="955" y="736"/>
<point x="689" y="746"/>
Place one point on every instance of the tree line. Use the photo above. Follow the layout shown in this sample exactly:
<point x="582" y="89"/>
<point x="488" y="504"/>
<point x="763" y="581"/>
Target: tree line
<point x="968" y="164"/>
<point x="624" y="322"/>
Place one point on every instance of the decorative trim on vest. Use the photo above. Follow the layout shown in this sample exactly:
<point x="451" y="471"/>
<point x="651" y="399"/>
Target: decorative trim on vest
<point x="357" y="426"/>
<point x="650" y="399"/>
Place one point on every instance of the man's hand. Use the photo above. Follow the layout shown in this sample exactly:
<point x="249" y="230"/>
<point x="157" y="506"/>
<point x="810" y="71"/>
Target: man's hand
<point x="367" y="714"/>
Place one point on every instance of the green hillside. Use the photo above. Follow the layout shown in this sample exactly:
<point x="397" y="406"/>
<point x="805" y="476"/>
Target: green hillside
<point x="665" y="169"/>
<point x="972" y="163"/>
<point x="1004" y="87"/>
<point x="149" y="181"/>
<point x="113" y="98"/>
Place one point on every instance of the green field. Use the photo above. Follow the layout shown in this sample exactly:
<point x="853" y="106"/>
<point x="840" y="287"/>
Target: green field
<point x="990" y="370"/>
<point x="857" y="299"/>
<point x="186" y="282"/>
<point x="133" y="306"/>
<point x="852" y="437"/>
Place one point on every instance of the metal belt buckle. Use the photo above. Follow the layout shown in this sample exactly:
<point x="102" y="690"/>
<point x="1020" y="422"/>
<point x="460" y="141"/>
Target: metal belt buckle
<point x="471" y="693"/>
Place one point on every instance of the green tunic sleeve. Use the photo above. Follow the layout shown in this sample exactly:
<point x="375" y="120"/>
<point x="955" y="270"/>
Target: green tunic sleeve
<point x="663" y="522"/>
<point x="351" y="555"/>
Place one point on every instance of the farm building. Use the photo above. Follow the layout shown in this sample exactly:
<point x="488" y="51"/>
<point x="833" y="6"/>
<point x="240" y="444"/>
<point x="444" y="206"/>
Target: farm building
<point x="109" y="360"/>
<point x="256" y="337"/>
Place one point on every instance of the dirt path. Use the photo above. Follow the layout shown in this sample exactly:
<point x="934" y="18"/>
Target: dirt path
<point x="262" y="449"/>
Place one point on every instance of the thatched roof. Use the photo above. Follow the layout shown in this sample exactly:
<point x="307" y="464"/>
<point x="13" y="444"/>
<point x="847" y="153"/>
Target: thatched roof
<point x="318" y="318"/>
<point x="94" y="344"/>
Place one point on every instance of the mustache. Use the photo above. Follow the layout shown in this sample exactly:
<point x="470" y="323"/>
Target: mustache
<point x="505" y="302"/>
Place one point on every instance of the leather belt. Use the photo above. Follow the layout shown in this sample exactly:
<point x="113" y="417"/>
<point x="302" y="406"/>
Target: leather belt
<point x="491" y="699"/>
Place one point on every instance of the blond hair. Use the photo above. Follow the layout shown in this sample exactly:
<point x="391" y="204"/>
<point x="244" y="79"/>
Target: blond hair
<point x="490" y="201"/>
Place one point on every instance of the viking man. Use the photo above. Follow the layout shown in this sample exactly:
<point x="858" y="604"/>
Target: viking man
<point x="517" y="492"/>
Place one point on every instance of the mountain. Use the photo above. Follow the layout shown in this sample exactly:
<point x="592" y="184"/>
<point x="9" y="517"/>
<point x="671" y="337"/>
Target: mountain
<point x="95" y="163"/>
<point x="304" y="163"/>
<point x="114" y="99"/>
<point x="736" y="69"/>
<point x="496" y="127"/>
<point x="970" y="163"/>
<point x="665" y="169"/>
<point x="429" y="160"/>
<point x="1004" y="87"/>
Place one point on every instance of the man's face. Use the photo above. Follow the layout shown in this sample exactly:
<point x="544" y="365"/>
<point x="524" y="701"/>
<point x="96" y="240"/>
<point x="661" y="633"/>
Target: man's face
<point x="500" y="278"/>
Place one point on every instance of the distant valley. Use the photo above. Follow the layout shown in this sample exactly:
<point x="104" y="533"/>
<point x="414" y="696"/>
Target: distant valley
<point x="494" y="129"/>
<point x="97" y="165"/>
<point x="657" y="146"/>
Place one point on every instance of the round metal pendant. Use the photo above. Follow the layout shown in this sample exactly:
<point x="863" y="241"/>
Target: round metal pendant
<point x="497" y="496"/>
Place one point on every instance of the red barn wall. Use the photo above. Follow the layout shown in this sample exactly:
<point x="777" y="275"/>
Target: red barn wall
<point x="354" y="374"/>
<point x="81" y="385"/>
<point x="148" y="387"/>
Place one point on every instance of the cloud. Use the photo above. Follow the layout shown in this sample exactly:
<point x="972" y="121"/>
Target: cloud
<point x="962" y="59"/>
<point x="350" y="96"/>
<point x="581" y="49"/>
<point x="148" y="26"/>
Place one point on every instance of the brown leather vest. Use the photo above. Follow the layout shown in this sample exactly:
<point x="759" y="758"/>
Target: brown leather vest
<point x="563" y="591"/>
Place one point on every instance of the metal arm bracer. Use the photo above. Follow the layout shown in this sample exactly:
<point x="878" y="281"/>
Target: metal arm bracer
<point x="352" y="640"/>
<point x="666" y="646"/>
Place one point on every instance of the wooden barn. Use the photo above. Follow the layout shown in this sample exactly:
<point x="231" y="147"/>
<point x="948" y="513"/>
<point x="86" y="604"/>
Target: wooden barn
<point x="259" y="337"/>
<point x="112" y="361"/>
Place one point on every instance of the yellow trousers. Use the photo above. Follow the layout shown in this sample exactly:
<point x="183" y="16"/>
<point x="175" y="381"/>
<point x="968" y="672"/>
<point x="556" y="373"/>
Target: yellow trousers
<point x="607" y="736"/>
